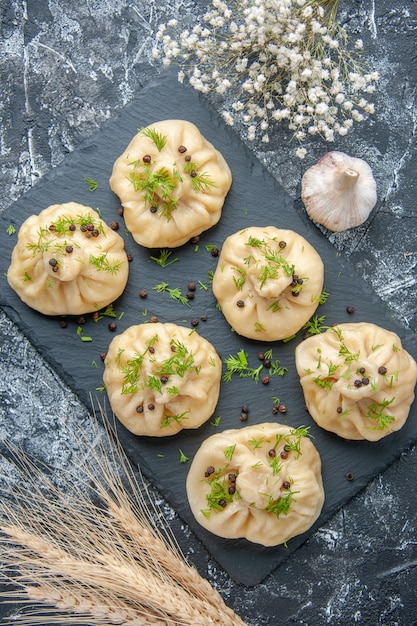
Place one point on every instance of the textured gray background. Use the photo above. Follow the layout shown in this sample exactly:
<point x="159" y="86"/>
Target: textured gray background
<point x="67" y="67"/>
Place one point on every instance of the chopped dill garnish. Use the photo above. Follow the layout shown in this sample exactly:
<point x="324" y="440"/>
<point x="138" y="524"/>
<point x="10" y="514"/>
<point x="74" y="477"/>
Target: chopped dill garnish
<point x="157" y="138"/>
<point x="91" y="183"/>
<point x="163" y="259"/>
<point x="174" y="294"/>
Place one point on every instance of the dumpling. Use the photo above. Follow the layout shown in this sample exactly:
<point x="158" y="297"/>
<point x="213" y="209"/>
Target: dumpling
<point x="161" y="378"/>
<point x="357" y="379"/>
<point x="67" y="261"/>
<point x="262" y="483"/>
<point x="268" y="282"/>
<point x="172" y="183"/>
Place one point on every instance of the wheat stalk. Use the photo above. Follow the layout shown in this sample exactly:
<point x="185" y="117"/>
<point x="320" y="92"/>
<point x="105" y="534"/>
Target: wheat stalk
<point x="94" y="553"/>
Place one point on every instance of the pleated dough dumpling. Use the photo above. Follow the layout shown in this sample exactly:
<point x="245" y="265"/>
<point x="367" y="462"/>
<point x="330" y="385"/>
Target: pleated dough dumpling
<point x="268" y="282"/>
<point x="357" y="379"/>
<point x="161" y="378"/>
<point x="172" y="183"/>
<point x="262" y="483"/>
<point x="67" y="261"/>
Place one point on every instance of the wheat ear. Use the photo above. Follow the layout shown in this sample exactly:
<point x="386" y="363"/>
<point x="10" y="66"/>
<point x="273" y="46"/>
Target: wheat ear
<point x="95" y="552"/>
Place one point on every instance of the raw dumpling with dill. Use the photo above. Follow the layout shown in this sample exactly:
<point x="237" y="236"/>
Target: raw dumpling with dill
<point x="262" y="483"/>
<point x="68" y="261"/>
<point x="161" y="378"/>
<point x="358" y="380"/>
<point x="268" y="282"/>
<point x="171" y="182"/>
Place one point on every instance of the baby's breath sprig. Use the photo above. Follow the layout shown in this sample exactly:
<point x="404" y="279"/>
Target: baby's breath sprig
<point x="278" y="61"/>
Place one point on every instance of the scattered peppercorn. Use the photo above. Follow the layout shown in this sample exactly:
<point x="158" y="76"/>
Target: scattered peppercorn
<point x="282" y="408"/>
<point x="195" y="239"/>
<point x="365" y="380"/>
<point x="261" y="356"/>
<point x="240" y="304"/>
<point x="191" y="286"/>
<point x="194" y="322"/>
<point x="139" y="409"/>
<point x="232" y="490"/>
<point x="164" y="379"/>
<point x="214" y="252"/>
<point x="95" y="315"/>
<point x="112" y="326"/>
<point x="81" y="319"/>
<point x="103" y="356"/>
<point x="72" y="227"/>
<point x="222" y="503"/>
<point x="63" y="323"/>
<point x="193" y="173"/>
<point x="265" y="380"/>
<point x="114" y="225"/>
<point x="52" y="228"/>
<point x="153" y="209"/>
<point x="232" y="477"/>
<point x="203" y="318"/>
<point x="120" y="211"/>
<point x="382" y="370"/>
<point x="243" y="417"/>
<point x="209" y="471"/>
<point x="286" y="484"/>
<point x="147" y="158"/>
<point x="350" y="309"/>
<point x="362" y="370"/>
<point x="182" y="149"/>
<point x="245" y="408"/>
<point x="272" y="453"/>
<point x="358" y="383"/>
<point x="190" y="295"/>
<point x="53" y="262"/>
<point x="151" y="349"/>
<point x="267" y="363"/>
<point x="339" y="409"/>
<point x="151" y="406"/>
<point x="69" y="249"/>
<point x="188" y="158"/>
<point x="153" y="319"/>
<point x="283" y="454"/>
<point x="143" y="293"/>
<point x="129" y="257"/>
<point x="349" y="476"/>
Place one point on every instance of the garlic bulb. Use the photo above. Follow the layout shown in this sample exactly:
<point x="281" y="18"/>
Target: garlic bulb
<point x="339" y="192"/>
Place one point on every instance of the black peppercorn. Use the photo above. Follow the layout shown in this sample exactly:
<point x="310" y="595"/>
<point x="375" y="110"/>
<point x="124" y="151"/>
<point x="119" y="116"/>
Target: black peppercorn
<point x="240" y="304"/>
<point x="265" y="380"/>
<point x="350" y="309"/>
<point x="182" y="149"/>
<point x="143" y="293"/>
<point x="194" y="322"/>
<point x="112" y="326"/>
<point x="382" y="370"/>
<point x="147" y="158"/>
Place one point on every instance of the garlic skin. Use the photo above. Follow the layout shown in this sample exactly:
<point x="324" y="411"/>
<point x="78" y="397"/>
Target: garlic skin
<point x="339" y="191"/>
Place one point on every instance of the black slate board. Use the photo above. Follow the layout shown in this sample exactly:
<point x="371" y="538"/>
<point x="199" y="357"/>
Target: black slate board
<point x="254" y="200"/>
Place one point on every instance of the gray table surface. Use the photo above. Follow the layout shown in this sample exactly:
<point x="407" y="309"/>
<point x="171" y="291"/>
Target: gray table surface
<point x="65" y="68"/>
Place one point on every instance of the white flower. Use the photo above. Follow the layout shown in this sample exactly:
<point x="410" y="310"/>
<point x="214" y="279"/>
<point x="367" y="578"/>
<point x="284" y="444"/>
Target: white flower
<point x="228" y="118"/>
<point x="300" y="153"/>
